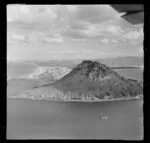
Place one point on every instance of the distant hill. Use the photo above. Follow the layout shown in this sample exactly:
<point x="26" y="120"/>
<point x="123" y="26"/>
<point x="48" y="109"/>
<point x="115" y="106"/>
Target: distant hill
<point x="110" y="62"/>
<point x="96" y="80"/>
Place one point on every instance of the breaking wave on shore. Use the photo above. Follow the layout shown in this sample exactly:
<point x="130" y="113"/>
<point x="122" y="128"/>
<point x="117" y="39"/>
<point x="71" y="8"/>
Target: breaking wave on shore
<point x="43" y="98"/>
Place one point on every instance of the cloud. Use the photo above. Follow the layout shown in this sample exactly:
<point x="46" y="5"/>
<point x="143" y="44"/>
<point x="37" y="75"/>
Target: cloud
<point x="34" y="13"/>
<point x="104" y="41"/>
<point x="78" y="52"/>
<point x="133" y="35"/>
<point x="114" y="41"/>
<point x="85" y="30"/>
<point x="90" y="21"/>
<point x="71" y="8"/>
<point x="28" y="15"/>
<point x="34" y="37"/>
<point x="45" y="17"/>
<point x="114" y="29"/>
<point x="140" y="49"/>
<point x="108" y="41"/>
<point x="74" y="22"/>
<point x="134" y="42"/>
<point x="41" y="37"/>
<point x="53" y="40"/>
<point x="77" y="25"/>
<point x="16" y="38"/>
<point x="107" y="27"/>
<point x="94" y="13"/>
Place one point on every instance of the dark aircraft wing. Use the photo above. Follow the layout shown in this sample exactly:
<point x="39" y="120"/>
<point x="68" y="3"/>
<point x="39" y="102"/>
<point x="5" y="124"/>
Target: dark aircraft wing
<point x="134" y="13"/>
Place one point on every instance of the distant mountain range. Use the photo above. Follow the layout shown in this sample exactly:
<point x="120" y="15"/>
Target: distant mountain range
<point x="110" y="62"/>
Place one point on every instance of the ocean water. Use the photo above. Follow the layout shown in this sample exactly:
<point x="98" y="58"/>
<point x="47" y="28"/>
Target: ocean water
<point x="15" y="69"/>
<point x="131" y="73"/>
<point x="32" y="119"/>
<point x="16" y="86"/>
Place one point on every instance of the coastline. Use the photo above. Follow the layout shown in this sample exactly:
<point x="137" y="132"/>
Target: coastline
<point x="73" y="100"/>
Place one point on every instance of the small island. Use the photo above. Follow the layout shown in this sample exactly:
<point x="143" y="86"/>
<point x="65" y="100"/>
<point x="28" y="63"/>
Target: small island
<point x="90" y="81"/>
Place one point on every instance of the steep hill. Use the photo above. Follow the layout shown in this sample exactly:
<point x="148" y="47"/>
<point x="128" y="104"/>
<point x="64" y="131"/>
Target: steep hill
<point x="94" y="79"/>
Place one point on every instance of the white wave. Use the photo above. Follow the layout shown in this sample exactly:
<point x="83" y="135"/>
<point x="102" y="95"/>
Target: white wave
<point x="43" y="96"/>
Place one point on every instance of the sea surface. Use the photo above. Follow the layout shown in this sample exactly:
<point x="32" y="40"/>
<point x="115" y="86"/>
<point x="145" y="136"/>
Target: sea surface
<point x="33" y="119"/>
<point x="16" y="69"/>
<point x="131" y="73"/>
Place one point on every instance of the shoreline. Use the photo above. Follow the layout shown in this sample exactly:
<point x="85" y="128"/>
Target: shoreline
<point x="87" y="101"/>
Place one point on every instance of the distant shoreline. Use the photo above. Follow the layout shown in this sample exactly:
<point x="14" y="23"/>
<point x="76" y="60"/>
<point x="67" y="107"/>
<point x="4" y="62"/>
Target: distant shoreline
<point x="127" y="67"/>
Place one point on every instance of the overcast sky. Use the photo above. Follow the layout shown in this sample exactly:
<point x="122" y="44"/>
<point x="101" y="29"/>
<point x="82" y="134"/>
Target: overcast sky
<point x="43" y="32"/>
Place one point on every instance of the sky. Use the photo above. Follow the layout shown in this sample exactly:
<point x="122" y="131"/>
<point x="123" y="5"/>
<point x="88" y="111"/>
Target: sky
<point x="45" y="32"/>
